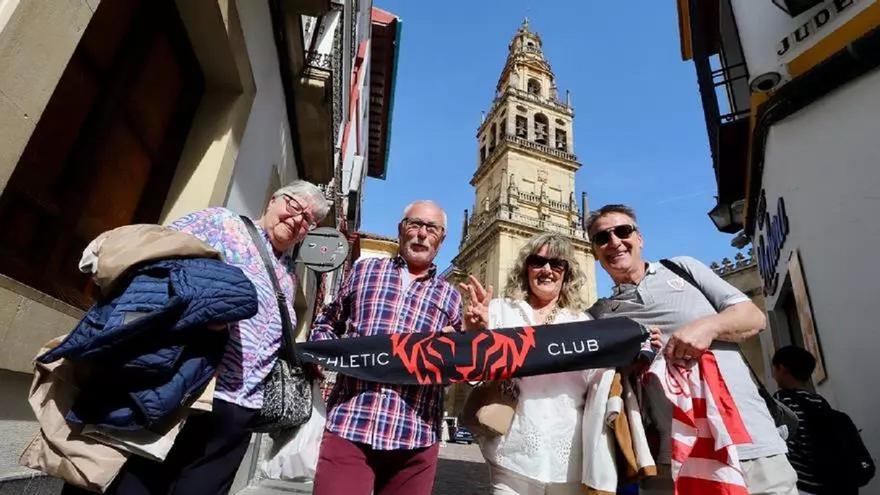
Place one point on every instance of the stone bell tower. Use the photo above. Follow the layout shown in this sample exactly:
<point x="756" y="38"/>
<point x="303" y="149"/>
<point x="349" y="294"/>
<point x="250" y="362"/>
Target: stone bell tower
<point x="524" y="181"/>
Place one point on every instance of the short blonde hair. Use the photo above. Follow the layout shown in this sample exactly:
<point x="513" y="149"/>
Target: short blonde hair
<point x="572" y="295"/>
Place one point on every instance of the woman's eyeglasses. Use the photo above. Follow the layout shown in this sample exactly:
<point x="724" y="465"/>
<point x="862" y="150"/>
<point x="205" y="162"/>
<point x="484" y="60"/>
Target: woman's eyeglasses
<point x="621" y="232"/>
<point x="295" y="208"/>
<point x="538" y="261"/>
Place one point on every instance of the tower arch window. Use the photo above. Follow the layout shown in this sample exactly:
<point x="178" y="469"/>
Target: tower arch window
<point x="534" y="86"/>
<point x="522" y="127"/>
<point x="493" y="138"/>
<point x="105" y="149"/>
<point x="561" y="140"/>
<point x="541" y="128"/>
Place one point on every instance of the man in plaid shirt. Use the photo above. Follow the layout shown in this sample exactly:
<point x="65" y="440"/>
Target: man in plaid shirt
<point x="382" y="438"/>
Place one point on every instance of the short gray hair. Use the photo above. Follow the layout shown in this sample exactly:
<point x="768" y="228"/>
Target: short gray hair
<point x="309" y="192"/>
<point x="425" y="202"/>
<point x="608" y="209"/>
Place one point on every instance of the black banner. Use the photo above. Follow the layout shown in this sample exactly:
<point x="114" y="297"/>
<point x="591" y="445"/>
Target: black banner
<point x="443" y="358"/>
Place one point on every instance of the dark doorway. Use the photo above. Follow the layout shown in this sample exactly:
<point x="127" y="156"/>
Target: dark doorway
<point x="106" y="147"/>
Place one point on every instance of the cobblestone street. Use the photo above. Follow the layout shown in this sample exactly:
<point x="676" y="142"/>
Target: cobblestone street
<point x="461" y="471"/>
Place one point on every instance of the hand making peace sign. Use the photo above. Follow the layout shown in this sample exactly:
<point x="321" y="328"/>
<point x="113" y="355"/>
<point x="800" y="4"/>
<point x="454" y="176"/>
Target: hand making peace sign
<point x="476" y="313"/>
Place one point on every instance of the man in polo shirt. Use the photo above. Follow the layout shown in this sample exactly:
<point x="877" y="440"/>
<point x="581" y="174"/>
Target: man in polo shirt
<point x="382" y="438"/>
<point x="654" y="296"/>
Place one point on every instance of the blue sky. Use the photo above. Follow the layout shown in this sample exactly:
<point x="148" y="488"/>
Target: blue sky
<point x="638" y="130"/>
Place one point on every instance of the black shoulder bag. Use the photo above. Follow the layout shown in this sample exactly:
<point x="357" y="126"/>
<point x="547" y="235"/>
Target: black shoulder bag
<point x="287" y="391"/>
<point x="782" y="414"/>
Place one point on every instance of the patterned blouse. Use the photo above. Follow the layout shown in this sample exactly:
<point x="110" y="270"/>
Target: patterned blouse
<point x="253" y="344"/>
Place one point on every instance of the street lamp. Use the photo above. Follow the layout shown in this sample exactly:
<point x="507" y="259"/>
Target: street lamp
<point x="728" y="217"/>
<point x="795" y="8"/>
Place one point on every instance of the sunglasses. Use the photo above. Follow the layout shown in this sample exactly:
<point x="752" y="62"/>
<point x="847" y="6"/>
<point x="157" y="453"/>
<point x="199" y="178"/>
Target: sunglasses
<point x="621" y="232"/>
<point x="537" y="261"/>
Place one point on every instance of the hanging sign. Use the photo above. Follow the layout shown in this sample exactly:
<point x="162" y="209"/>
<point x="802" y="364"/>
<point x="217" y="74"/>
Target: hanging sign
<point x="773" y="231"/>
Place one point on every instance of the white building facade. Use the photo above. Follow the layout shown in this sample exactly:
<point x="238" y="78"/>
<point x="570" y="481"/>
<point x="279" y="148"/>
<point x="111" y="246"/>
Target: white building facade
<point x="794" y="128"/>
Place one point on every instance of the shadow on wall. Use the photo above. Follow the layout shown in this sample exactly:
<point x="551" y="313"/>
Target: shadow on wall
<point x="13" y="396"/>
<point x="461" y="478"/>
<point x="17" y="427"/>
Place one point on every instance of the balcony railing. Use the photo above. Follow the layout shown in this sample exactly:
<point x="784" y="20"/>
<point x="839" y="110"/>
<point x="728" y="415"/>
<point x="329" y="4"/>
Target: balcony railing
<point x="543" y="148"/>
<point x="481" y="221"/>
<point x="549" y="102"/>
<point x="525" y="143"/>
<point x="726" y="77"/>
<point x="718" y="60"/>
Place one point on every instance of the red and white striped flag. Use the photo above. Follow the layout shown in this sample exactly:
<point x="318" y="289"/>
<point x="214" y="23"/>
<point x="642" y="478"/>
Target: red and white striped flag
<point x="706" y="427"/>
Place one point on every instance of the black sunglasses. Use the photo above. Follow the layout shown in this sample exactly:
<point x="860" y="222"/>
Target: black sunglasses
<point x="620" y="231"/>
<point x="537" y="261"/>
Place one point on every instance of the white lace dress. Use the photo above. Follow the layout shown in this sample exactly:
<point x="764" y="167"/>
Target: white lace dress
<point x="544" y="441"/>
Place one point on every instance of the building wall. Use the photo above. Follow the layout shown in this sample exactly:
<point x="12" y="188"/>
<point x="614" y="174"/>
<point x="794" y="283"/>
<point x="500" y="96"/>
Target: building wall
<point x="36" y="41"/>
<point x="265" y="155"/>
<point x="823" y="161"/>
<point x="377" y="248"/>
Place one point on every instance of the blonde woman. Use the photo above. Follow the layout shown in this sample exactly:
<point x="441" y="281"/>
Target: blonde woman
<point x="541" y="453"/>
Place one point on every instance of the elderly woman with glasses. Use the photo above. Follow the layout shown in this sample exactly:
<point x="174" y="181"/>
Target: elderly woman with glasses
<point x="541" y="453"/>
<point x="208" y="450"/>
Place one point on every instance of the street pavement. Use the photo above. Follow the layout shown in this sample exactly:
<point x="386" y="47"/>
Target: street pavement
<point x="460" y="471"/>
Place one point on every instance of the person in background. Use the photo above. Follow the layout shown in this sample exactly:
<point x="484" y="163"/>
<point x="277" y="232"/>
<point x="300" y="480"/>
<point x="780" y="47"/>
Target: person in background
<point x="826" y="450"/>
<point x="792" y="367"/>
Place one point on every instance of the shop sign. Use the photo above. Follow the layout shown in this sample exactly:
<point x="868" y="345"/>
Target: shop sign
<point x="772" y="232"/>
<point x="816" y="23"/>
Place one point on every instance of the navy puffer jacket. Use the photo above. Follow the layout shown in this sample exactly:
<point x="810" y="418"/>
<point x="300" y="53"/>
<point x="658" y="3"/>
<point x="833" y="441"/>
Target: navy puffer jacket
<point x="148" y="346"/>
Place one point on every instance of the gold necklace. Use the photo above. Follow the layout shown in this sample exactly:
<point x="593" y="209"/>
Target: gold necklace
<point x="551" y="315"/>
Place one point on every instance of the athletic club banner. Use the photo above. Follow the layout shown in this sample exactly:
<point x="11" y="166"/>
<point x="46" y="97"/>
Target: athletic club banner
<point x="443" y="358"/>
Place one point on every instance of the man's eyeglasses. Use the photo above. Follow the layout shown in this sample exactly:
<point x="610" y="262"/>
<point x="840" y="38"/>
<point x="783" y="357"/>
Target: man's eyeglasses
<point x="295" y="208"/>
<point x="538" y="261"/>
<point x="416" y="224"/>
<point x="621" y="232"/>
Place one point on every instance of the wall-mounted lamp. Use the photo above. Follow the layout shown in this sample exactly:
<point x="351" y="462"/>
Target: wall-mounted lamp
<point x="728" y="217"/>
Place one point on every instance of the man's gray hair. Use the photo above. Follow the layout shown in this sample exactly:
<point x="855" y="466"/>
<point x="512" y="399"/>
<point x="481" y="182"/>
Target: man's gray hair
<point x="424" y="202"/>
<point x="608" y="209"/>
<point x="309" y="193"/>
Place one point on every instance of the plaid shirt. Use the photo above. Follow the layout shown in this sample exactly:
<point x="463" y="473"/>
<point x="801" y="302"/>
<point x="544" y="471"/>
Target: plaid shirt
<point x="374" y="301"/>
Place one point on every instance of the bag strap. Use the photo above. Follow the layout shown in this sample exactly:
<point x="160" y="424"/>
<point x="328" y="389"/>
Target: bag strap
<point x="685" y="275"/>
<point x="288" y="343"/>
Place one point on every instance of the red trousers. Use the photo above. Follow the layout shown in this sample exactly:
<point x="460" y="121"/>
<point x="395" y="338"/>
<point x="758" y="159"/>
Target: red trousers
<point x="349" y="468"/>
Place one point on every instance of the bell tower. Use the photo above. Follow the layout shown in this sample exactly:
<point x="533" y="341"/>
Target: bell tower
<point x="524" y="180"/>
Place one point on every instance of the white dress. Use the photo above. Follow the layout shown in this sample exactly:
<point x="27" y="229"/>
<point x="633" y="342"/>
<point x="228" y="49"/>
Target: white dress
<point x="544" y="440"/>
